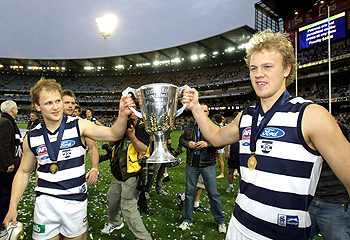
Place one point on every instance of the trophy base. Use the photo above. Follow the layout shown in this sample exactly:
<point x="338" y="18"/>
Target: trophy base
<point x="161" y="159"/>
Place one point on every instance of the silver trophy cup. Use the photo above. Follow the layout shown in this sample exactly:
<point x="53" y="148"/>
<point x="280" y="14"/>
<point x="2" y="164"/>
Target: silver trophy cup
<point x="158" y="103"/>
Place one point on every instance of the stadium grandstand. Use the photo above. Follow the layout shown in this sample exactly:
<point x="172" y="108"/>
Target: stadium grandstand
<point x="215" y="66"/>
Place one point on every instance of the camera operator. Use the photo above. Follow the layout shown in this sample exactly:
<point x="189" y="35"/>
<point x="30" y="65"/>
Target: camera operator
<point x="123" y="193"/>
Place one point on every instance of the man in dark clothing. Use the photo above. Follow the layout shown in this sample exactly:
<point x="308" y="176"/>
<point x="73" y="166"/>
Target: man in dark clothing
<point x="329" y="211"/>
<point x="11" y="152"/>
<point x="33" y="120"/>
<point x="200" y="159"/>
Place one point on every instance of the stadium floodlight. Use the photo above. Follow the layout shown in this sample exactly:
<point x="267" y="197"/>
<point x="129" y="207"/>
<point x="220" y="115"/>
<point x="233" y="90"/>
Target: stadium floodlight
<point x="106" y="25"/>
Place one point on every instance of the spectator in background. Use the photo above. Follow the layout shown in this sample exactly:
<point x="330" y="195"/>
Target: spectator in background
<point x="77" y="111"/>
<point x="33" y="120"/>
<point x="10" y="157"/>
<point x="329" y="211"/>
<point x="90" y="116"/>
<point x="123" y="193"/>
<point x="200" y="159"/>
<point x="69" y="103"/>
<point x="232" y="156"/>
<point x="220" y="152"/>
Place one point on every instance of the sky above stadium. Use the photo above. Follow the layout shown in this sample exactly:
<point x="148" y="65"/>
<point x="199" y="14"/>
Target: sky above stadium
<point x="45" y="29"/>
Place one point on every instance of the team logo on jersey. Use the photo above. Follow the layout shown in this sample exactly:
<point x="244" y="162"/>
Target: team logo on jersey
<point x="266" y="146"/>
<point x="288" y="221"/>
<point x="41" y="150"/>
<point x="66" y="153"/>
<point x="271" y="132"/>
<point x="67" y="144"/>
<point x="246" y="136"/>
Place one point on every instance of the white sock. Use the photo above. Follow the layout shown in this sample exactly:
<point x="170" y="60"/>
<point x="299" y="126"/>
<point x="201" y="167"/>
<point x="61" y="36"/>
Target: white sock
<point x="196" y="204"/>
<point x="183" y="197"/>
<point x="165" y="174"/>
<point x="231" y="185"/>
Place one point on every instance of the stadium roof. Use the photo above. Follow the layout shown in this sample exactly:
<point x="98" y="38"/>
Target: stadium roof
<point x="286" y="9"/>
<point x="219" y="43"/>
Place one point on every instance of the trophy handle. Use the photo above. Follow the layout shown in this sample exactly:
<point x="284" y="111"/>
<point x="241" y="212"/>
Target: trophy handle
<point x="178" y="112"/>
<point x="133" y="91"/>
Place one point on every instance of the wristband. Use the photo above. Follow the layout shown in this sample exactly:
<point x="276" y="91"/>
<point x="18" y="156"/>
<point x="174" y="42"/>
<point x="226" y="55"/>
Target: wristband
<point x="94" y="169"/>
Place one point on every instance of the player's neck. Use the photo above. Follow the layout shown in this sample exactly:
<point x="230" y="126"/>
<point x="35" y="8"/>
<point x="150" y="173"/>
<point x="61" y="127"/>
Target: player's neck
<point x="52" y="125"/>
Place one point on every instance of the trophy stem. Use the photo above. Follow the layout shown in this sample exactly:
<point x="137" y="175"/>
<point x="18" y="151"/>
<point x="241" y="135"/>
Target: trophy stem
<point x="160" y="153"/>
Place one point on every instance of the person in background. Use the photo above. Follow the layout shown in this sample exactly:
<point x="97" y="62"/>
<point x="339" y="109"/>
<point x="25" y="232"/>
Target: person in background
<point x="69" y="103"/>
<point x="200" y="159"/>
<point x="232" y="156"/>
<point x="282" y="142"/>
<point x="77" y="110"/>
<point x="218" y="119"/>
<point x="90" y="116"/>
<point x="10" y="157"/>
<point x="123" y="193"/>
<point x="33" y="120"/>
<point x="329" y="211"/>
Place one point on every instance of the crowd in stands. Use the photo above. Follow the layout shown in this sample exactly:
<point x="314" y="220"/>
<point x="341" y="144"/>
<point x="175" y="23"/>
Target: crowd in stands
<point x="320" y="52"/>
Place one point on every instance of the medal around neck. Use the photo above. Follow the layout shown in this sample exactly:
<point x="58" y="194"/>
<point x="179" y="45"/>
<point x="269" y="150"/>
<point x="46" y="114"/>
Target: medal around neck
<point x="252" y="162"/>
<point x="53" y="168"/>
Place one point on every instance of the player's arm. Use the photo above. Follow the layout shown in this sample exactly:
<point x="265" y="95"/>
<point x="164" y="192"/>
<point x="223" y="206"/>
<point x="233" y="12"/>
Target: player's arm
<point x="217" y="136"/>
<point x="116" y="132"/>
<point x="20" y="183"/>
<point x="94" y="158"/>
<point x="322" y="133"/>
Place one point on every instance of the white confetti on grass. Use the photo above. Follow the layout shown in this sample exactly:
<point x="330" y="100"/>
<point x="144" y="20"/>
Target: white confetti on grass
<point x="166" y="218"/>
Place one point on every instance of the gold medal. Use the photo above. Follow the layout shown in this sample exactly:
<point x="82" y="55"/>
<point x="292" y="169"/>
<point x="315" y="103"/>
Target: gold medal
<point x="53" y="168"/>
<point x="252" y="162"/>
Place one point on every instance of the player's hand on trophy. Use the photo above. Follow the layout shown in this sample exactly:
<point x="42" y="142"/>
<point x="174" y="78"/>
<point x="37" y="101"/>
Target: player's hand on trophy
<point x="190" y="97"/>
<point x="125" y="103"/>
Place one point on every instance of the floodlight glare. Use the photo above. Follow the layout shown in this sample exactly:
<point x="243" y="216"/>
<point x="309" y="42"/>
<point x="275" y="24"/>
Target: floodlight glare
<point x="106" y="25"/>
<point x="194" y="57"/>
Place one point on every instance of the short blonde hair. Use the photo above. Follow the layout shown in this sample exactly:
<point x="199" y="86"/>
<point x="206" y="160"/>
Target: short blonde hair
<point x="49" y="85"/>
<point x="268" y="40"/>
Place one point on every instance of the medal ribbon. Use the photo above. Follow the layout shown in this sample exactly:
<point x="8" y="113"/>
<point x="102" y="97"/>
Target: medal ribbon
<point x="256" y="130"/>
<point x="56" y="145"/>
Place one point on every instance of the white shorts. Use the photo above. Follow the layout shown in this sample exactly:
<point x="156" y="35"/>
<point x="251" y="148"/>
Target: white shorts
<point x="54" y="215"/>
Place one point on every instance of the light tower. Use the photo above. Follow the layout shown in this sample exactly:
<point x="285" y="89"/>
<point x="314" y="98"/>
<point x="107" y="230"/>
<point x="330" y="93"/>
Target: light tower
<point x="106" y="25"/>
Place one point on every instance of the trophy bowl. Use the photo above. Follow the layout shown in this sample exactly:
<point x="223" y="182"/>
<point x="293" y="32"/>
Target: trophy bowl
<point x="158" y="104"/>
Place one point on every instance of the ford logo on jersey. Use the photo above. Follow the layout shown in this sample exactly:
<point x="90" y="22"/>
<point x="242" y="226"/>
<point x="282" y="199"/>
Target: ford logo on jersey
<point x="41" y="150"/>
<point x="67" y="143"/>
<point x="271" y="132"/>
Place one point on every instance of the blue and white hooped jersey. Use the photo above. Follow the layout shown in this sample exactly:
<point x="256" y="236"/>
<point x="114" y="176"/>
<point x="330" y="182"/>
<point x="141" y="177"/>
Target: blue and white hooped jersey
<point x="274" y="198"/>
<point x="69" y="181"/>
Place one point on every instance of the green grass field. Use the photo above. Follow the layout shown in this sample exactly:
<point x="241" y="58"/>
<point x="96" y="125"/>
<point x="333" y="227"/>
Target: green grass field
<point x="167" y="217"/>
